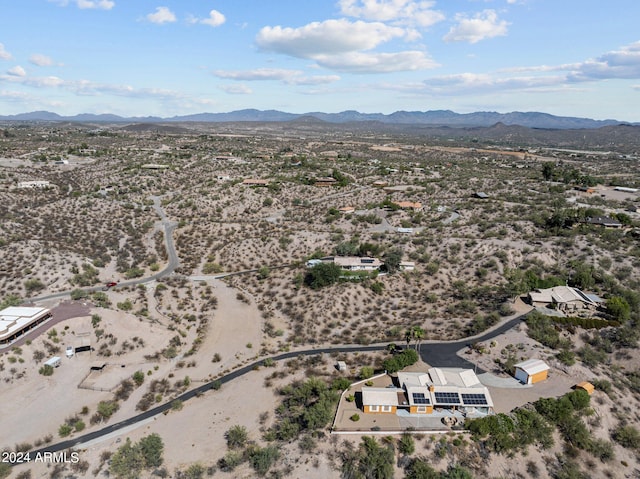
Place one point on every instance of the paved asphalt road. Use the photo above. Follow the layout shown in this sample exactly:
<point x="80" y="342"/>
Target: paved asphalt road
<point x="440" y="354"/>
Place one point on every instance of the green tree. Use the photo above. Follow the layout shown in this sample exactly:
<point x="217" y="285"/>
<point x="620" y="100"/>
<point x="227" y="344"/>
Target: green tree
<point x="10" y="300"/>
<point x="375" y="461"/>
<point x="127" y="462"/>
<point x="392" y="260"/>
<point x="323" y="274"/>
<point x="420" y="469"/>
<point x="548" y="171"/>
<point x="151" y="447"/>
<point x="619" y="308"/>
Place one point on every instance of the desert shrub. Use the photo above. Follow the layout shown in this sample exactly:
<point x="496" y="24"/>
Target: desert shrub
<point x="566" y="357"/>
<point x="627" y="436"/>
<point x="262" y="458"/>
<point x="370" y="460"/>
<point x="406" y="445"/>
<point x="591" y="357"/>
<point x="306" y="405"/>
<point x="138" y="378"/>
<point x="107" y="408"/>
<point x="366" y="372"/>
<point x="542" y="329"/>
<point x="236" y="436"/>
<point x="78" y="294"/>
<point x="46" y="370"/>
<point x="32" y="285"/>
<point x="420" y="469"/>
<point x="230" y="461"/>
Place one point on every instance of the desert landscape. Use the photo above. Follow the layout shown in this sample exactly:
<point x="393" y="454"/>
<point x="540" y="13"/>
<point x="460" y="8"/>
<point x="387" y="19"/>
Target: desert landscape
<point x="194" y="267"/>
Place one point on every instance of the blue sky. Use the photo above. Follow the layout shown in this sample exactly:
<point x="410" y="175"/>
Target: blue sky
<point x="175" y="57"/>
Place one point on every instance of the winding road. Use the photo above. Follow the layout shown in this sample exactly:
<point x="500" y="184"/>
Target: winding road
<point x="434" y="353"/>
<point x="437" y="354"/>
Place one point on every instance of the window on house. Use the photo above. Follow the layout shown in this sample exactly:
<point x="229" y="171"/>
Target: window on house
<point x="421" y="409"/>
<point x="386" y="408"/>
<point x="373" y="408"/>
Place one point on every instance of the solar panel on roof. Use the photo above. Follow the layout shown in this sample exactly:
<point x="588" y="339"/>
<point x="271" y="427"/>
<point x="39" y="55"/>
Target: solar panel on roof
<point x="447" y="398"/>
<point x="475" y="399"/>
<point x="419" y="398"/>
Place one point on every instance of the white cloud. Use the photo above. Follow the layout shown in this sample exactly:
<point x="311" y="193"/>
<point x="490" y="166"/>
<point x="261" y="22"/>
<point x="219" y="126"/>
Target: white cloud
<point x="14" y="95"/>
<point x="314" y="80"/>
<point x="17" y="71"/>
<point x="259" y="74"/>
<point x="481" y="26"/>
<point x="162" y="15"/>
<point x="328" y="37"/>
<point x="89" y="88"/>
<point x="4" y="54"/>
<point x="88" y="4"/>
<point x="358" y="62"/>
<point x="215" y="19"/>
<point x="344" y="45"/>
<point x="411" y="12"/>
<point x="290" y="77"/>
<point x="95" y="4"/>
<point x="477" y="83"/>
<point x="236" y="89"/>
<point x="622" y="64"/>
<point x="40" y="60"/>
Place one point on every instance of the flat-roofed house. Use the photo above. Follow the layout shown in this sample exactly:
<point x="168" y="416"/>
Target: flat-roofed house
<point x="380" y="400"/>
<point x="531" y="371"/>
<point x="437" y="389"/>
<point x="357" y="263"/>
<point x="326" y="181"/>
<point x="564" y="298"/>
<point x="17" y="320"/>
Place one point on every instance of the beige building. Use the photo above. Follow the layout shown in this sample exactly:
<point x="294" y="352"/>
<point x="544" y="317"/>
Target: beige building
<point x="17" y="320"/>
<point x="531" y="371"/>
<point x="424" y="393"/>
<point x="564" y="298"/>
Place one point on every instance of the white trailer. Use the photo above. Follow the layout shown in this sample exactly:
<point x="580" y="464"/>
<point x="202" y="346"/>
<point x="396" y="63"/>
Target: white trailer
<point x="54" y="362"/>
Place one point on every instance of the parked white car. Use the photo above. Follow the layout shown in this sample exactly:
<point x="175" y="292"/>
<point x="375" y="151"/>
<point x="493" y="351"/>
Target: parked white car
<point x="70" y="351"/>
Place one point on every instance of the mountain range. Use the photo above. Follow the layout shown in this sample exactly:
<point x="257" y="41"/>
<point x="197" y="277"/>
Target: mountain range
<point x="427" y="118"/>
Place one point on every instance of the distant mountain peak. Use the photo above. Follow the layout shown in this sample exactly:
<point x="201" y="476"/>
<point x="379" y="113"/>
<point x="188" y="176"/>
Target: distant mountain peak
<point x="427" y="118"/>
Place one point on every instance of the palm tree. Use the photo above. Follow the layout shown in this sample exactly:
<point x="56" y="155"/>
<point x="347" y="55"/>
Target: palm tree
<point x="418" y="333"/>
